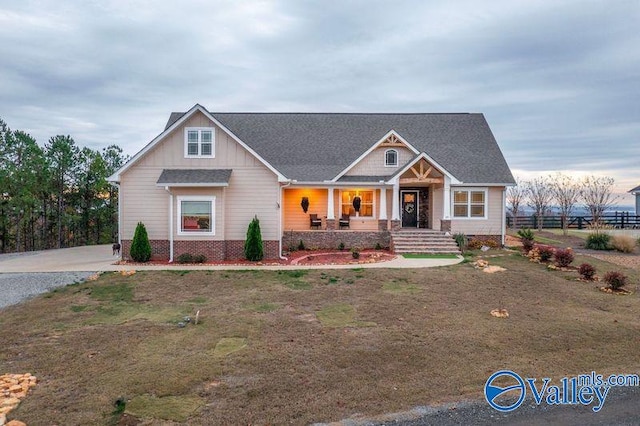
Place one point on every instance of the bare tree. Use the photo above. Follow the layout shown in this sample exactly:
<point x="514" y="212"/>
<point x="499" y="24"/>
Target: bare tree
<point x="539" y="195"/>
<point x="597" y="196"/>
<point x="566" y="192"/>
<point x="515" y="198"/>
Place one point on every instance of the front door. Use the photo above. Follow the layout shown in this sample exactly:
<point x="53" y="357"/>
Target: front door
<point x="409" y="209"/>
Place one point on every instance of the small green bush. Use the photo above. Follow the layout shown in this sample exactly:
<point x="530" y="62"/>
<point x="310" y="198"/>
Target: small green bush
<point x="461" y="240"/>
<point x="355" y="253"/>
<point x="253" y="249"/>
<point x="378" y="246"/>
<point x="199" y="258"/>
<point x="185" y="258"/>
<point x="526" y="236"/>
<point x="140" y="246"/>
<point x="301" y="245"/>
<point x="563" y="257"/>
<point x="587" y="271"/>
<point x="598" y="241"/>
<point x="615" y="279"/>
<point x="341" y="246"/>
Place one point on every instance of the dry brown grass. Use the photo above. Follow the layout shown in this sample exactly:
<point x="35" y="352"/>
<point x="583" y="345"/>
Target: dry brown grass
<point x="320" y="346"/>
<point x="623" y="243"/>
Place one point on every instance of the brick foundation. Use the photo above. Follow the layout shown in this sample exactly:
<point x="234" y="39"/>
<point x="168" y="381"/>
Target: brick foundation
<point x="214" y="250"/>
<point x="383" y="225"/>
<point x="495" y="238"/>
<point x="396" y="225"/>
<point x="331" y="239"/>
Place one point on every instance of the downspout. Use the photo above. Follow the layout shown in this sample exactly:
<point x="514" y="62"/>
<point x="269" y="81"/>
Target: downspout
<point x="119" y="215"/>
<point x="166" y="188"/>
<point x="504" y="213"/>
<point x="280" y="221"/>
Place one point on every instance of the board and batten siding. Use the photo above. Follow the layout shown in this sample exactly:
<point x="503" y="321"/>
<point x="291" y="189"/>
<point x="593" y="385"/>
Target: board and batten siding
<point x="253" y="188"/>
<point x="492" y="225"/>
<point x="373" y="163"/>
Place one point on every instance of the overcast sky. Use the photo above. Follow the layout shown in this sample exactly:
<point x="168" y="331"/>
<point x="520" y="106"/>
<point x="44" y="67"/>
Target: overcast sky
<point x="558" y="81"/>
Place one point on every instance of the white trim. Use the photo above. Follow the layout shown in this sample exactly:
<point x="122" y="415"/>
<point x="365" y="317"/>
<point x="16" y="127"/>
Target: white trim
<point x="385" y="157"/>
<point x="395" y="202"/>
<point x="469" y="190"/>
<point x="189" y="185"/>
<point x="120" y="217"/>
<point x="504" y="215"/>
<point x="199" y="142"/>
<point x="383" y="204"/>
<point x="484" y="184"/>
<point x="325" y="184"/>
<point x="197" y="107"/>
<point x="331" y="204"/>
<point x="446" y="199"/>
<point x="374" y="146"/>
<point x="417" y="192"/>
<point x="425" y="156"/>
<point x="170" y="224"/>
<point x="211" y="199"/>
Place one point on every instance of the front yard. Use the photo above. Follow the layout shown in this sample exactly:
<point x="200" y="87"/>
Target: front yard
<point x="306" y="346"/>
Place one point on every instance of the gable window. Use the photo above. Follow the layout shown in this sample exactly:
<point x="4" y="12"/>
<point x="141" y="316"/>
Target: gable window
<point x="391" y="158"/>
<point x="196" y="215"/>
<point x="348" y="206"/>
<point x="199" y="142"/>
<point x="469" y="203"/>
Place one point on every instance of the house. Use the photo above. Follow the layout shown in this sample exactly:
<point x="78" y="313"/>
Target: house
<point x="366" y="177"/>
<point x="636" y="191"/>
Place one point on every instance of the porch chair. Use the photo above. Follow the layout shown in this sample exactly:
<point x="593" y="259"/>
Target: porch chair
<point x="343" y="222"/>
<point x="314" y="221"/>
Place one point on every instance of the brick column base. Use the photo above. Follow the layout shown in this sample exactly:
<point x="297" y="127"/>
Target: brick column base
<point x="396" y="225"/>
<point x="331" y="224"/>
<point x="445" y="225"/>
<point x="383" y="225"/>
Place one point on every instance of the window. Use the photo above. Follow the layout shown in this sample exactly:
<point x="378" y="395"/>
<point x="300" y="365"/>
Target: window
<point x="390" y="158"/>
<point x="470" y="204"/>
<point x="199" y="142"/>
<point x="196" y="215"/>
<point x="348" y="203"/>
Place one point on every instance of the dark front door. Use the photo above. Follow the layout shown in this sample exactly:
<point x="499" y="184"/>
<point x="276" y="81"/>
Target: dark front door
<point x="409" y="209"/>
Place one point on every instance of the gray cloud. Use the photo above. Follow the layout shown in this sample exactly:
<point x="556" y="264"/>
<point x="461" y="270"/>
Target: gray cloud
<point x="558" y="81"/>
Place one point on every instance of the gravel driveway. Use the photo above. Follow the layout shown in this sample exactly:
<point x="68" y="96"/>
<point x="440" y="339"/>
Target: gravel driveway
<point x="16" y="287"/>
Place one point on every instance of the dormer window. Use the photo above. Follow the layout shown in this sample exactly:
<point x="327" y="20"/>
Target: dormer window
<point x="391" y="158"/>
<point x="199" y="142"/>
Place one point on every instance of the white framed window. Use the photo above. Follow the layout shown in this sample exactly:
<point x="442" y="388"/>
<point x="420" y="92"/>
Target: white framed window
<point x="348" y="203"/>
<point x="199" y="142"/>
<point x="469" y="203"/>
<point x="196" y="215"/>
<point x="391" y="158"/>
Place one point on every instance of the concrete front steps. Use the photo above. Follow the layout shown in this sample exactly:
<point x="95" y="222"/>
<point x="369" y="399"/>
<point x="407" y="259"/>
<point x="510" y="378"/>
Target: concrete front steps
<point x="423" y="241"/>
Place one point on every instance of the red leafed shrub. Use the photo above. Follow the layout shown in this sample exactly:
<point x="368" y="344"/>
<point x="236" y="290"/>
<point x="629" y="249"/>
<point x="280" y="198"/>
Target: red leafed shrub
<point x="546" y="253"/>
<point x="587" y="271"/>
<point x="615" y="279"/>
<point x="563" y="257"/>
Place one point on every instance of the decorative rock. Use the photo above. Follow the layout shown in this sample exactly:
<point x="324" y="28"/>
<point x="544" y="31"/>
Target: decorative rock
<point x="16" y="423"/>
<point x="13" y="388"/>
<point x="181" y="324"/>
<point x="500" y="313"/>
<point x="493" y="269"/>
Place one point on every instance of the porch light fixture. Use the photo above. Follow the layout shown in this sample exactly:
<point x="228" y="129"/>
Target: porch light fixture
<point x="305" y="204"/>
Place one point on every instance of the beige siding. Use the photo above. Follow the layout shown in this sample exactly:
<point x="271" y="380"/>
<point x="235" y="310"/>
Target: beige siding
<point x="253" y="188"/>
<point x="373" y="164"/>
<point x="490" y="226"/>
<point x="294" y="217"/>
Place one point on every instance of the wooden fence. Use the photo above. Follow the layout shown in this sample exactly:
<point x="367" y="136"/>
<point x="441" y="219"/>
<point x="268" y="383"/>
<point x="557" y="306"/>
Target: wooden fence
<point x="617" y="220"/>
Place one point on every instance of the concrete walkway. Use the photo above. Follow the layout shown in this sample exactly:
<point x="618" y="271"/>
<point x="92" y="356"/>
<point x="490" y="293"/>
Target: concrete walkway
<point x="99" y="258"/>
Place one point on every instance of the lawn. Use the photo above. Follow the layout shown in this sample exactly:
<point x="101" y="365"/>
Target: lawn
<point x="306" y="346"/>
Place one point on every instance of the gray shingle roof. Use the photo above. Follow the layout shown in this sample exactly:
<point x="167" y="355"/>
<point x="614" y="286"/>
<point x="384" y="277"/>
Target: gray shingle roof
<point x="636" y="189"/>
<point x="194" y="176"/>
<point x="318" y="146"/>
<point x="362" y="178"/>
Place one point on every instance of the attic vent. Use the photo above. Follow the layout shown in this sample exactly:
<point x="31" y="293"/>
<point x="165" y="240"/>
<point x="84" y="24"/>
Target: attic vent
<point x="392" y="140"/>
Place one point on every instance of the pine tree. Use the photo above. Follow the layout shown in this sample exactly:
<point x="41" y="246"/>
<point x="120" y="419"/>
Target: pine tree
<point x="140" y="246"/>
<point x="253" y="244"/>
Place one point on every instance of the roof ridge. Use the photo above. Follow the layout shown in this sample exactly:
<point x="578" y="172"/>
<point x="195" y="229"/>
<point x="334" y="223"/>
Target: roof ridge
<point x="340" y="113"/>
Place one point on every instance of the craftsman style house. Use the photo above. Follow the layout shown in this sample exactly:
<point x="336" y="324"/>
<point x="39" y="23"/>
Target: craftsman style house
<point x="359" y="179"/>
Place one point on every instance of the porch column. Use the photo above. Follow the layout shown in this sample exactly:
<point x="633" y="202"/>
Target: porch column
<point x="445" y="223"/>
<point x="383" y="204"/>
<point x="395" y="205"/>
<point x="331" y="217"/>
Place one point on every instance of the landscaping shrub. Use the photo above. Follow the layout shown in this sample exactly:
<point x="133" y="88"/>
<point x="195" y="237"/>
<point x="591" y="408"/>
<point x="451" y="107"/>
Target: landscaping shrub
<point x="623" y="243"/>
<point x="199" y="258"/>
<point x="587" y="271"/>
<point x="563" y="257"/>
<point x="615" y="279"/>
<point x="185" y="258"/>
<point x="378" y="246"/>
<point x="253" y="249"/>
<point x="598" y="241"/>
<point x="340" y="246"/>
<point x="355" y="253"/>
<point x="301" y="245"/>
<point x="546" y="253"/>
<point x="140" y="246"/>
<point x="461" y="240"/>
<point x="526" y="236"/>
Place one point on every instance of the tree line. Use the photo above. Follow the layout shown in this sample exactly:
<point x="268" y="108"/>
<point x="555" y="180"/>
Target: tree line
<point x="594" y="193"/>
<point x="57" y="195"/>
